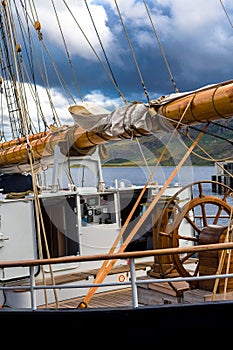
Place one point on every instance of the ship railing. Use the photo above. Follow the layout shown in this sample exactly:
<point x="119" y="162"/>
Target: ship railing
<point x="133" y="282"/>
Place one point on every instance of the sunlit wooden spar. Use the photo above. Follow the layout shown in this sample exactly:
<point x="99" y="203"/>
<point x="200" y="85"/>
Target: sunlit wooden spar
<point x="210" y="103"/>
<point x="72" y="138"/>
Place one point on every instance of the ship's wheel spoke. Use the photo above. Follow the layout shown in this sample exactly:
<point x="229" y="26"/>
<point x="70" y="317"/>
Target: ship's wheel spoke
<point x="218" y="214"/>
<point x="167" y="272"/>
<point x="184" y="258"/>
<point x="196" y="269"/>
<point x="193" y="224"/>
<point x="187" y="238"/>
<point x="203" y="211"/>
<point x="226" y="194"/>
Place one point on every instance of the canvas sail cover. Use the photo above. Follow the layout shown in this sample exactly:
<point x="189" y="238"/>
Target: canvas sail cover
<point x="126" y="119"/>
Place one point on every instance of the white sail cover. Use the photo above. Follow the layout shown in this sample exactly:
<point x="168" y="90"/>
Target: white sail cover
<point x="128" y="118"/>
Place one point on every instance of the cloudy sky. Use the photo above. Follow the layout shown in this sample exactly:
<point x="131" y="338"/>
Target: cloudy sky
<point x="144" y="44"/>
<point x="196" y="36"/>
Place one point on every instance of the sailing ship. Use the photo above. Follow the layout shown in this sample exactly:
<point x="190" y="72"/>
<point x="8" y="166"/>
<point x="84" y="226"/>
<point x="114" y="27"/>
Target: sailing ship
<point x="74" y="232"/>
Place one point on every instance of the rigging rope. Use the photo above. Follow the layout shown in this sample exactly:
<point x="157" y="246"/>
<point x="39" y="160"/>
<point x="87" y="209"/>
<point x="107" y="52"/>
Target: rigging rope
<point x="210" y="158"/>
<point x="107" y="265"/>
<point x="46" y="79"/>
<point x="161" y="48"/>
<point x="104" y="52"/>
<point x="144" y="158"/>
<point x="37" y="27"/>
<point x="133" y="54"/>
<point x="195" y="128"/>
<point x="228" y="17"/>
<point x="10" y="74"/>
<point x="2" y="135"/>
<point x="26" y="130"/>
<point x="67" y="51"/>
<point x="29" y="54"/>
<point x="95" y="53"/>
<point x="212" y="134"/>
<point x="33" y="10"/>
<point x="223" y="126"/>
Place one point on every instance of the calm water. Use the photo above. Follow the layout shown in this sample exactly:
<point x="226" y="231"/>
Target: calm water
<point x="139" y="175"/>
<point x="186" y="176"/>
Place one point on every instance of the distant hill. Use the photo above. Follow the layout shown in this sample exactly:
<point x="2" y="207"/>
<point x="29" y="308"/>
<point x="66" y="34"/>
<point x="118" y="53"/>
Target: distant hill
<point x="217" y="142"/>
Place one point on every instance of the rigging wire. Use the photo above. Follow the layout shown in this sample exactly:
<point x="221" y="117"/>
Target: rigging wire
<point x="14" y="93"/>
<point x="6" y="61"/>
<point x="210" y="158"/>
<point x="24" y="72"/>
<point x="67" y="51"/>
<point x="211" y="134"/>
<point x="202" y="157"/>
<point x="223" y="126"/>
<point x="2" y="135"/>
<point x="144" y="158"/>
<point x="33" y="10"/>
<point x="29" y="54"/>
<point x="161" y="48"/>
<point x="39" y="216"/>
<point x="182" y="125"/>
<point x="62" y="82"/>
<point x="101" y="44"/>
<point x="48" y="89"/>
<point x="133" y="54"/>
<point x="226" y="13"/>
<point x="24" y="100"/>
<point x="95" y="53"/>
<point x="37" y="27"/>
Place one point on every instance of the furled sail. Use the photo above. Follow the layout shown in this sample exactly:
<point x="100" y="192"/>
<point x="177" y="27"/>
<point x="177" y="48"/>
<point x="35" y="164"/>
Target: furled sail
<point x="94" y="125"/>
<point x="130" y="119"/>
<point x="89" y="130"/>
<point x="205" y="104"/>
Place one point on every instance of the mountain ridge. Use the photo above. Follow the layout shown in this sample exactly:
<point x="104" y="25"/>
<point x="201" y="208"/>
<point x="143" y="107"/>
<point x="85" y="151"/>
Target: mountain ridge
<point x="216" y="143"/>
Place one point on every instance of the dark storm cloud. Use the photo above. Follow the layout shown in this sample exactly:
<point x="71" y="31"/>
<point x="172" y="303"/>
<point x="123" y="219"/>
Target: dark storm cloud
<point x="195" y="36"/>
<point x="190" y="41"/>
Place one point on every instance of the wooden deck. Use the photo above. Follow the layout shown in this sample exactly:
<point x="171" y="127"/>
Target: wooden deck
<point x="80" y="276"/>
<point x="148" y="294"/>
<point x="116" y="298"/>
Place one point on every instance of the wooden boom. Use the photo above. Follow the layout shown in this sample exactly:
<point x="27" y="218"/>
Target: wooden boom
<point x="210" y="103"/>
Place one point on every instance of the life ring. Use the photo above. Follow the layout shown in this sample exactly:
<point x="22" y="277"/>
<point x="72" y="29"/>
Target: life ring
<point x="121" y="278"/>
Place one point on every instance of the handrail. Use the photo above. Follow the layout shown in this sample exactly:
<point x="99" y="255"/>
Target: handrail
<point x="131" y="256"/>
<point x="133" y="283"/>
<point x="123" y="255"/>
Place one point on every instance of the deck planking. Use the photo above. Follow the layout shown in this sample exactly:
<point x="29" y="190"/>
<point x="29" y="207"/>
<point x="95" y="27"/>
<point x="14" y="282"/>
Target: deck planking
<point x="114" y="298"/>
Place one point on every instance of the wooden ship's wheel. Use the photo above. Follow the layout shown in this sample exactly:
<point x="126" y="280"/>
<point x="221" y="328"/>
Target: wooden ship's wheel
<point x="202" y="220"/>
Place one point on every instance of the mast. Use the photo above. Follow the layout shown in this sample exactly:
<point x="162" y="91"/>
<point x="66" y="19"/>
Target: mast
<point x="10" y="65"/>
<point x="206" y="104"/>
